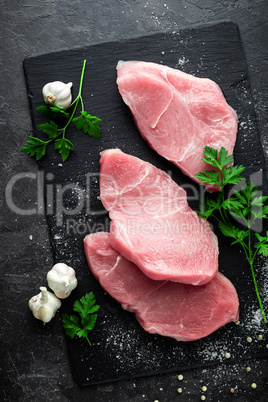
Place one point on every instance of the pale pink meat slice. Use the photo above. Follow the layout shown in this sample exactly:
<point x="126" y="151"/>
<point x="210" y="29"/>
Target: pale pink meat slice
<point x="183" y="312"/>
<point x="152" y="223"/>
<point x="178" y="114"/>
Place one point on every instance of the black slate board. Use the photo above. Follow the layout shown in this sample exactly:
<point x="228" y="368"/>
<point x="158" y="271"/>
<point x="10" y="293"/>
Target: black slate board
<point x="121" y="348"/>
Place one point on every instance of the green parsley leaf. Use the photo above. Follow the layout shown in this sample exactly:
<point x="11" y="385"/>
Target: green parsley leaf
<point x="223" y="158"/>
<point x="232" y="204"/>
<point x="231" y="174"/>
<point x="215" y="204"/>
<point x="51" y="129"/>
<point x="53" y="112"/>
<point x="45" y="109"/>
<point x="209" y="177"/>
<point x="249" y="191"/>
<point x="59" y="112"/>
<point x="64" y="147"/>
<point x="240" y="212"/>
<point x="243" y="200"/>
<point x="262" y="249"/>
<point x="88" y="124"/>
<point x="261" y="238"/>
<point x="262" y="213"/>
<point x="207" y="213"/>
<point x="259" y="201"/>
<point x="262" y="246"/>
<point x="232" y="231"/>
<point x="211" y="157"/>
<point x="86" y="307"/>
<point x="223" y="174"/>
<point x="70" y="324"/>
<point x="89" y="322"/>
<point x="227" y="230"/>
<point x="35" y="147"/>
<point x="209" y="207"/>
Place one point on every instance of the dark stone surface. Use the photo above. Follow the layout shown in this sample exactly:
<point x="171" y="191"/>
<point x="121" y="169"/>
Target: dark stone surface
<point x="34" y="363"/>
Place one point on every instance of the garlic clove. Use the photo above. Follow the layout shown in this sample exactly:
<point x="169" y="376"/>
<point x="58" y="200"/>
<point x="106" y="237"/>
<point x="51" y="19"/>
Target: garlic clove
<point x="58" y="94"/>
<point x="44" y="305"/>
<point x="62" y="280"/>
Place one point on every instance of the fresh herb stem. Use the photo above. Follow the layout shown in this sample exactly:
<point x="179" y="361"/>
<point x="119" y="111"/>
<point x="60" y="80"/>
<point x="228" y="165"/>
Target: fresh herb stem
<point x="82" y="104"/>
<point x="77" y="100"/>
<point x="240" y="205"/>
<point x="256" y="289"/>
<point x="82" y="77"/>
<point x="88" y="341"/>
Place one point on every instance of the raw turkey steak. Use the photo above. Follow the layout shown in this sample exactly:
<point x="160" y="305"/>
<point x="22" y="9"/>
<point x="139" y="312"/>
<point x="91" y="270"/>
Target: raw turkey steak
<point x="183" y="312"/>
<point x="152" y="223"/>
<point x="177" y="113"/>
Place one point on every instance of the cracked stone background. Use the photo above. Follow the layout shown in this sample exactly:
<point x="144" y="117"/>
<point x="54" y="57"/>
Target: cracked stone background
<point x="34" y="364"/>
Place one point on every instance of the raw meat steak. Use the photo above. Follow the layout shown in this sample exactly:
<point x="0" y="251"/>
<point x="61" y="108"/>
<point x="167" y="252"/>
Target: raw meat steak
<point x="177" y="114"/>
<point x="183" y="312"/>
<point x="152" y="223"/>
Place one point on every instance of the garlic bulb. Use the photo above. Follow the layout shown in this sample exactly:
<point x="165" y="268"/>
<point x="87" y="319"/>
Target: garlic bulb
<point x="58" y="94"/>
<point x="44" y="305"/>
<point x="62" y="280"/>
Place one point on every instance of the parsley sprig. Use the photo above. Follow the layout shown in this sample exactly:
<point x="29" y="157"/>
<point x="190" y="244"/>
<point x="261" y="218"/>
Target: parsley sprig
<point x="88" y="124"/>
<point x="244" y="204"/>
<point x="80" y="325"/>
